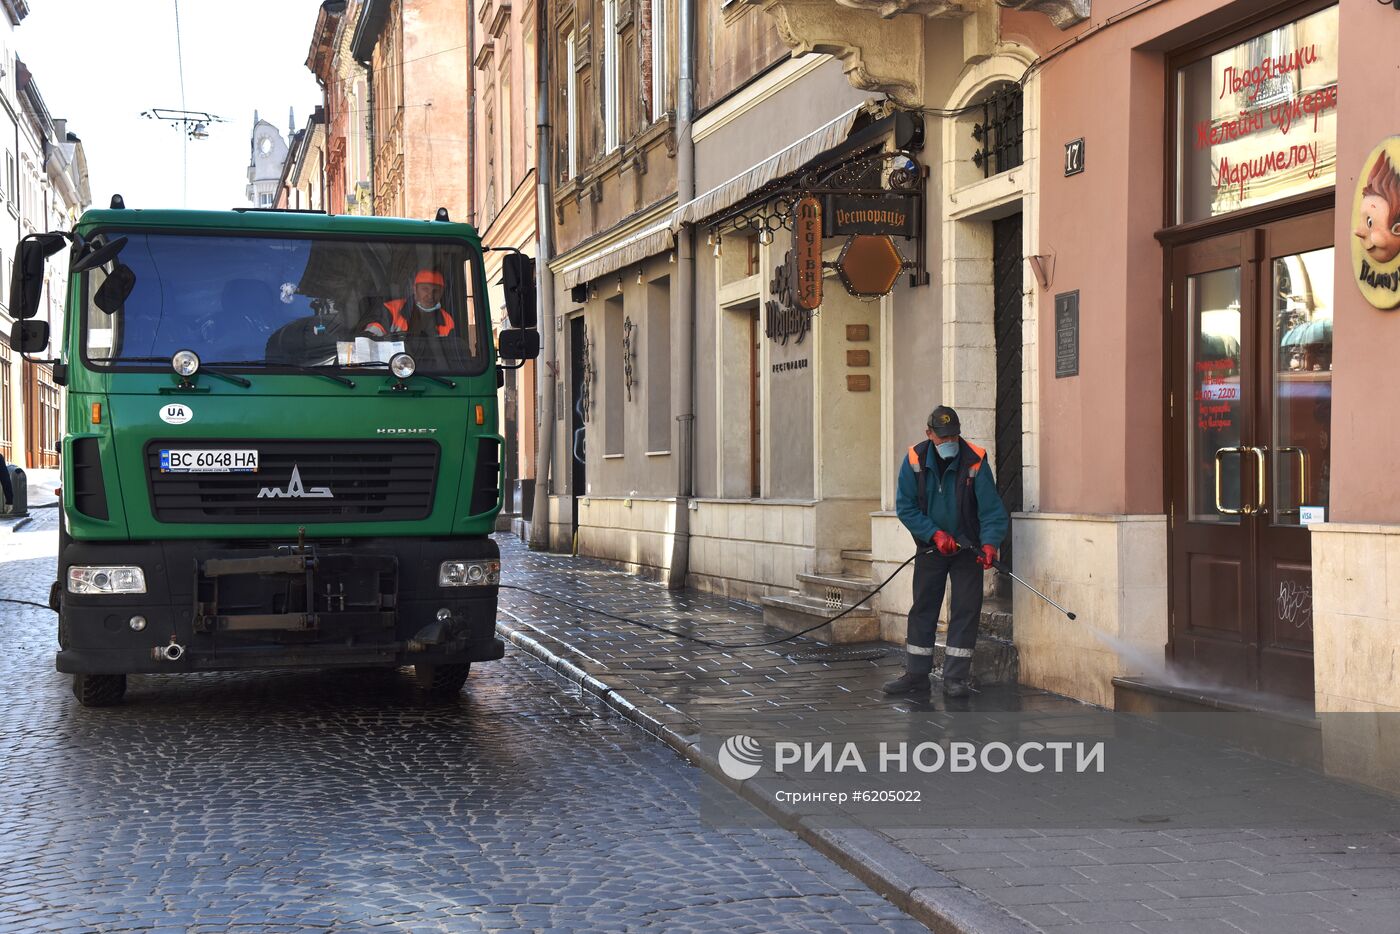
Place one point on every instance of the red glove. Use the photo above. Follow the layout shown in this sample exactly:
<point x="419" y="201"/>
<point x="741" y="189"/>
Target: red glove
<point x="988" y="555"/>
<point x="945" y="543"/>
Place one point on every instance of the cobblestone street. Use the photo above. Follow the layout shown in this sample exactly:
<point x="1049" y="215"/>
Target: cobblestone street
<point x="305" y="801"/>
<point x="981" y="848"/>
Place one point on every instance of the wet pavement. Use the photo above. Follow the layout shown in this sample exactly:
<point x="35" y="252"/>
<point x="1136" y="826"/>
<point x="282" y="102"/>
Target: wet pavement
<point x="341" y="801"/>
<point x="1313" y="855"/>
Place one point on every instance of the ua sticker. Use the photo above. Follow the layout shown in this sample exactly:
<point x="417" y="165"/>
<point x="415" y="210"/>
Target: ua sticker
<point x="176" y="414"/>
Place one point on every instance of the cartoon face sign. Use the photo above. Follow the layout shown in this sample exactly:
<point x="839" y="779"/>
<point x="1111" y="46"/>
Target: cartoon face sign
<point x="1375" y="247"/>
<point x="1379" y="225"/>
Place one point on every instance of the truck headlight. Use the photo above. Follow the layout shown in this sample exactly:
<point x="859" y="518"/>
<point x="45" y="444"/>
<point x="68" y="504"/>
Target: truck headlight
<point x="469" y="574"/>
<point x="88" y="580"/>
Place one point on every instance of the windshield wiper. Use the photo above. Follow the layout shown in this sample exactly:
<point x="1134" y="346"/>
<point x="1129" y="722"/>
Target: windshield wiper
<point x="308" y="370"/>
<point x="441" y="380"/>
<point x="231" y="377"/>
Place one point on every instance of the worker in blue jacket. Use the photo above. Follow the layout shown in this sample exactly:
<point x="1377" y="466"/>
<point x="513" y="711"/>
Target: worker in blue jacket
<point x="949" y="502"/>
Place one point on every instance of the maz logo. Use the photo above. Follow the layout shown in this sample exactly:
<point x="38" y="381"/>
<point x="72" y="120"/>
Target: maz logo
<point x="295" y="490"/>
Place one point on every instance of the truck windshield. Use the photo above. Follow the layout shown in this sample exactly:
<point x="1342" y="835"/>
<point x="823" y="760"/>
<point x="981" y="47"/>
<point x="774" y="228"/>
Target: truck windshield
<point x="256" y="301"/>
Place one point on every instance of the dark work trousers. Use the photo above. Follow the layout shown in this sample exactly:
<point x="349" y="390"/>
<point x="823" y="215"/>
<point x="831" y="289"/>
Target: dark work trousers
<point x="5" y="480"/>
<point x="931" y="574"/>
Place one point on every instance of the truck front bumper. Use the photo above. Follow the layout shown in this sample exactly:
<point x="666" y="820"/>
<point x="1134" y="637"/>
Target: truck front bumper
<point x="233" y="605"/>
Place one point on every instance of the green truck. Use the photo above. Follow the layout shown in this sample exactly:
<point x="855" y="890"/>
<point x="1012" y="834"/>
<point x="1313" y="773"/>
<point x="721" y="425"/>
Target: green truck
<point x="281" y="446"/>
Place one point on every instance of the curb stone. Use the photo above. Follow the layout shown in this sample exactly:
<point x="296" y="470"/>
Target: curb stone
<point x="922" y="892"/>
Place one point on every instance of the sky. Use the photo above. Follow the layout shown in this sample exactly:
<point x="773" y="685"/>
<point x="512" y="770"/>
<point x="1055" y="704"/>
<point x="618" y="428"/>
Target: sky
<point x="100" y="63"/>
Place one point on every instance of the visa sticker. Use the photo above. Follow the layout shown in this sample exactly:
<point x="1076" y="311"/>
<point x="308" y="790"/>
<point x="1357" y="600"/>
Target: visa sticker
<point x="1312" y="515"/>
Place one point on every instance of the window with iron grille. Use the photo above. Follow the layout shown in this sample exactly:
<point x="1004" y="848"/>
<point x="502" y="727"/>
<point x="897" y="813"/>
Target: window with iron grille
<point x="998" y="133"/>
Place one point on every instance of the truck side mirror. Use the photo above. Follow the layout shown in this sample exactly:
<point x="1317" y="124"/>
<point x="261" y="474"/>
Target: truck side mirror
<point x="30" y="336"/>
<point x="112" y="294"/>
<point x="99" y="256"/>
<point x="27" y="277"/>
<point x="519" y="344"/>
<point x="518" y="279"/>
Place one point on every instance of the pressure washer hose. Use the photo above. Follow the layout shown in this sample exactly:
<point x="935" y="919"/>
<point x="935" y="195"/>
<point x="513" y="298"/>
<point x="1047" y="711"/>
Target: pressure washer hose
<point x="706" y="642"/>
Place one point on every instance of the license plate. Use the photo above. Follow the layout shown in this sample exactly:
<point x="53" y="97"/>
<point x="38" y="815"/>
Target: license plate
<point x="244" y="461"/>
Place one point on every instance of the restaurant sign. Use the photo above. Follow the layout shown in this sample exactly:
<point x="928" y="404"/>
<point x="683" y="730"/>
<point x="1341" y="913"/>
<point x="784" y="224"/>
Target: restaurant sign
<point x="891" y="215"/>
<point x="806" y="255"/>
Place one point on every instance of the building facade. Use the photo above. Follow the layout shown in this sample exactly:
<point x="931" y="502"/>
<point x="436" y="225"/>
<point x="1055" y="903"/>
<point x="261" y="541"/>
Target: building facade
<point x="345" y="83"/>
<point x="52" y="191"/>
<point x="302" y="186"/>
<point x="12" y="433"/>
<point x="612" y="110"/>
<point x="800" y="420"/>
<point x="418" y="53"/>
<point x="267" y="154"/>
<point x="503" y="164"/>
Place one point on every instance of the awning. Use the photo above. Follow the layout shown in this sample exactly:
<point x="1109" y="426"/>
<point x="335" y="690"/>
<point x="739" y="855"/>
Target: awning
<point x="635" y="248"/>
<point x="784" y="162"/>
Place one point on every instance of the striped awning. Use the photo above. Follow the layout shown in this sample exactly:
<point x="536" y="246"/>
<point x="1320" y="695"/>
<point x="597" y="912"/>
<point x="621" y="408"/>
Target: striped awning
<point x="783" y="162"/>
<point x="635" y="248"/>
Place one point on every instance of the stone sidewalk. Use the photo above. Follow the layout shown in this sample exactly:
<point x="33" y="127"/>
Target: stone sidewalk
<point x="41" y="482"/>
<point x="975" y="871"/>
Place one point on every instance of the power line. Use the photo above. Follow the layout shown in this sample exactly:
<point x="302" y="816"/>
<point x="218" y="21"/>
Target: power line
<point x="185" y="139"/>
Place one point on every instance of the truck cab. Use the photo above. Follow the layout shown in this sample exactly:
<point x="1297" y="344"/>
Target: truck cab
<point x="281" y="446"/>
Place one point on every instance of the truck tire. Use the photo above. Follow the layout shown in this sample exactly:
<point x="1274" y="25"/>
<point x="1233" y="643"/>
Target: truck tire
<point x="441" y="682"/>
<point x="99" y="690"/>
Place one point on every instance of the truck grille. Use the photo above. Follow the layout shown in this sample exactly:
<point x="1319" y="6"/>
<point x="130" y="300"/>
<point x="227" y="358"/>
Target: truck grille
<point x="369" y="481"/>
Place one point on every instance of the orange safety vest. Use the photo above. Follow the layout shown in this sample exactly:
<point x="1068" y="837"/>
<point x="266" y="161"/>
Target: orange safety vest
<point x="399" y="321"/>
<point x="967" y="494"/>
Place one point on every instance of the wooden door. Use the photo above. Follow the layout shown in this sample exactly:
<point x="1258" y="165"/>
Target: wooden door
<point x="1251" y="412"/>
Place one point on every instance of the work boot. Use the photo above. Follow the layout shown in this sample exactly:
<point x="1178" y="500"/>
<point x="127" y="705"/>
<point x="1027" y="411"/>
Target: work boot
<point x="955" y="687"/>
<point x="908" y="683"/>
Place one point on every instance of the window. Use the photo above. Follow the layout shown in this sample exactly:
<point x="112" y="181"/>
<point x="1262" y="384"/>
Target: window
<point x="658" y="385"/>
<point x="268" y="301"/>
<point x="1236" y="146"/>
<point x="611" y="75"/>
<point x="628" y="89"/>
<point x="658" y="60"/>
<point x="507" y="109"/>
<point x="571" y="92"/>
<point x="614" y="388"/>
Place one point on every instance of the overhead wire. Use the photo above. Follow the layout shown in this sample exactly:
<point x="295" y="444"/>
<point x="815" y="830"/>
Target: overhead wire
<point x="184" y="136"/>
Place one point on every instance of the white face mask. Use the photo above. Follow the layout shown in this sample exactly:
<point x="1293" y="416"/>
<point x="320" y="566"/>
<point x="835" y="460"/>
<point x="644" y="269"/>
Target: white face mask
<point x="947" y="450"/>
<point x="427" y="310"/>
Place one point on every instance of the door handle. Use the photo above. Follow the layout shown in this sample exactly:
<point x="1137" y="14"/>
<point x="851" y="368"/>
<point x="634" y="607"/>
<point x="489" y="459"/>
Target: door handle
<point x="1302" y="476"/>
<point x="1262" y="507"/>
<point x="1220" y="506"/>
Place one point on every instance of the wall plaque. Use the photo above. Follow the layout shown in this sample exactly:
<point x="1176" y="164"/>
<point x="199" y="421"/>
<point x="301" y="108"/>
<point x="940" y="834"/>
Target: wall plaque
<point x="1067" y="334"/>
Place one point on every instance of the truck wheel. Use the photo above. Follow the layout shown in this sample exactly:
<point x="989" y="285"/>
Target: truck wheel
<point x="441" y="682"/>
<point x="99" y="690"/>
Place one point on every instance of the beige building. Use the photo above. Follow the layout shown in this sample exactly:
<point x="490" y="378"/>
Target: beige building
<point x="800" y="422"/>
<point x="503" y="164"/>
<point x="419" y="91"/>
<point x="345" y="83"/>
<point x="302" y="186"/>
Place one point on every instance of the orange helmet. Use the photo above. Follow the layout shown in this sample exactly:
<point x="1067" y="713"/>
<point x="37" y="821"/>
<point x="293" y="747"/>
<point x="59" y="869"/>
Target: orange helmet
<point x="429" y="277"/>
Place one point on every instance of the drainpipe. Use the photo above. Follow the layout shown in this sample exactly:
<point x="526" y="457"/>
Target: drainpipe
<point x="683" y="297"/>
<point x="471" y="111"/>
<point x="544" y="223"/>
